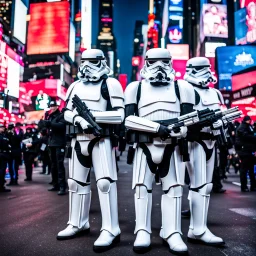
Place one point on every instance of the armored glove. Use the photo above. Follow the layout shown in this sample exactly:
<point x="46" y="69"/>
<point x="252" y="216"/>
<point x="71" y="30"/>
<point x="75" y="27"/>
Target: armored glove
<point x="163" y="132"/>
<point x="81" y="123"/>
<point x="181" y="134"/>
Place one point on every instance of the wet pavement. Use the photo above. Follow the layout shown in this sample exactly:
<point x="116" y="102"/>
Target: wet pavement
<point x="31" y="217"/>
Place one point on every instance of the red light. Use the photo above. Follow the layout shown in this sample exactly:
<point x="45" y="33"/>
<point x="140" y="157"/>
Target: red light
<point x="136" y="61"/>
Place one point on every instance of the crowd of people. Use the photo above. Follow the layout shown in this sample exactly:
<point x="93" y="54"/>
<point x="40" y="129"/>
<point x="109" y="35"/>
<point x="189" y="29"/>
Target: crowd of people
<point x="45" y="143"/>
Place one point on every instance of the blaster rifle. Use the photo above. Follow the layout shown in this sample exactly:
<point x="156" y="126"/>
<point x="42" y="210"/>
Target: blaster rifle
<point x="86" y="114"/>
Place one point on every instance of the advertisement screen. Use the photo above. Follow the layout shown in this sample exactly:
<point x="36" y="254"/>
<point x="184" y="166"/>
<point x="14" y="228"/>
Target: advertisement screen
<point x="13" y="78"/>
<point x="20" y="23"/>
<point x="245" y="23"/>
<point x="175" y="26"/>
<point x="244" y="3"/>
<point x="35" y="95"/>
<point x="210" y="48"/>
<point x="43" y="72"/>
<point x="244" y="79"/>
<point x="247" y="106"/>
<point x="214" y="20"/>
<point x="233" y="59"/>
<point x="48" y="29"/>
<point x="178" y="51"/>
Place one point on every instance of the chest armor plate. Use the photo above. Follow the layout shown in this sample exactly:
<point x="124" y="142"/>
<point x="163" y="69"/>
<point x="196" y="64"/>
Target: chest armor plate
<point x="91" y="95"/>
<point x="208" y="99"/>
<point x="154" y="98"/>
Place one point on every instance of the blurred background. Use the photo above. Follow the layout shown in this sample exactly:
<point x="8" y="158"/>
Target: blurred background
<point x="41" y="44"/>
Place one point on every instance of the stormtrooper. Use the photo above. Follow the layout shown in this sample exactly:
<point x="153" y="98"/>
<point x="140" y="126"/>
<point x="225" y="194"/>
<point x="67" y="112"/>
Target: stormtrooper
<point x="104" y="97"/>
<point x="157" y="97"/>
<point x="202" y="151"/>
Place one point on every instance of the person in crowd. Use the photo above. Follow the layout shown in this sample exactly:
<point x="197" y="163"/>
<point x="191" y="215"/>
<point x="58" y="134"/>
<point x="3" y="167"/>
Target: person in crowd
<point x="14" y="161"/>
<point x="44" y="151"/>
<point x="236" y="162"/>
<point x="19" y="131"/>
<point x="5" y="151"/>
<point x="246" y="149"/>
<point x="56" y="125"/>
<point x="236" y="125"/>
<point x="29" y="149"/>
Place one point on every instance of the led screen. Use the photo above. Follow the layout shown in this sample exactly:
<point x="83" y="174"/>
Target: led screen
<point x="48" y="30"/>
<point x="214" y="21"/>
<point x="233" y="59"/>
<point x="211" y="47"/>
<point x="245" y="23"/>
<point x="243" y="80"/>
<point x="179" y="51"/>
<point x="175" y="26"/>
<point x="20" y="23"/>
<point x="247" y="106"/>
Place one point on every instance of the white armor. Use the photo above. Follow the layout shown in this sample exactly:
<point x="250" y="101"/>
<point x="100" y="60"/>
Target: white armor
<point x="157" y="103"/>
<point x="201" y="163"/>
<point x="93" y="66"/>
<point x="158" y="66"/>
<point x="198" y="72"/>
<point x="89" y="150"/>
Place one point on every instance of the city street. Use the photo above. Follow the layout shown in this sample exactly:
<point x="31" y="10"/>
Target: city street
<point x="31" y="217"/>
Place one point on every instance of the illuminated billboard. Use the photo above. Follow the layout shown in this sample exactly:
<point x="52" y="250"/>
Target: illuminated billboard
<point x="214" y="22"/>
<point x="233" y="59"/>
<point x="178" y="51"/>
<point x="245" y="23"/>
<point x="175" y="26"/>
<point x="20" y="23"/>
<point x="211" y="47"/>
<point x="48" y="29"/>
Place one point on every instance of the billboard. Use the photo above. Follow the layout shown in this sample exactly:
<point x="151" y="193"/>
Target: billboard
<point x="233" y="59"/>
<point x="35" y="95"/>
<point x="214" y="22"/>
<point x="178" y="51"/>
<point x="175" y="26"/>
<point x="244" y="3"/>
<point x="245" y="23"/>
<point x="20" y="23"/>
<point x="211" y="47"/>
<point x="247" y="106"/>
<point x="42" y="72"/>
<point x="243" y="79"/>
<point x="48" y="29"/>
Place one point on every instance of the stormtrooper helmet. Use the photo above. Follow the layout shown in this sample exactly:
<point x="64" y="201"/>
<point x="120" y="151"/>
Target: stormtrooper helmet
<point x="198" y="72"/>
<point x="93" y="66"/>
<point x="158" y="67"/>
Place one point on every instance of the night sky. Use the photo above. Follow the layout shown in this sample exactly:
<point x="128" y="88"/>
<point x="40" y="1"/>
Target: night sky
<point x="126" y="12"/>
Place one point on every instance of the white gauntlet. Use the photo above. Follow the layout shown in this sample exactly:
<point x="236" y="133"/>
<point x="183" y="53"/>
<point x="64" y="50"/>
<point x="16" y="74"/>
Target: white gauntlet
<point x="218" y="124"/>
<point x="78" y="120"/>
<point x="181" y="134"/>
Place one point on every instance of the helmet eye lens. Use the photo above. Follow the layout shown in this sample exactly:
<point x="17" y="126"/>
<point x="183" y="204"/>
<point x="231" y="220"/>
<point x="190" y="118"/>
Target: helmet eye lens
<point x="94" y="62"/>
<point x="166" y="61"/>
<point x="151" y="62"/>
<point x="198" y="68"/>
